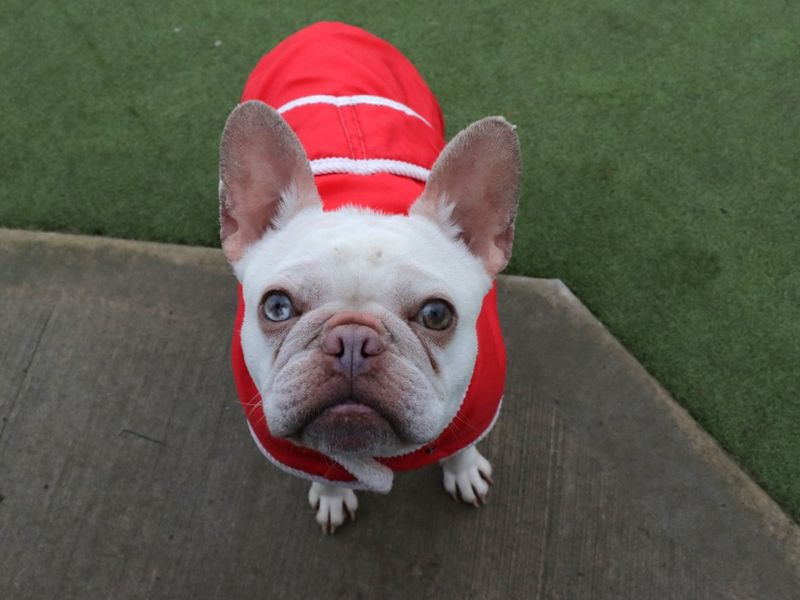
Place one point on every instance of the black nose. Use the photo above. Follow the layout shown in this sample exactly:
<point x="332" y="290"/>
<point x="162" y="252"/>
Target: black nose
<point x="352" y="345"/>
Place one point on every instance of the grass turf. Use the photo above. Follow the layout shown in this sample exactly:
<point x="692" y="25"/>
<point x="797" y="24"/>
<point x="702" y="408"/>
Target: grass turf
<point x="662" y="172"/>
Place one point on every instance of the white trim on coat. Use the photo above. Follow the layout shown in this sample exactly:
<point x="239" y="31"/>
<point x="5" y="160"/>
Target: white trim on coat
<point x="368" y="166"/>
<point x="355" y="485"/>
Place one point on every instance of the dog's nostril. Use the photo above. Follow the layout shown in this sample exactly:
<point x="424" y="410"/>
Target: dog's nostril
<point x="372" y="345"/>
<point x="333" y="344"/>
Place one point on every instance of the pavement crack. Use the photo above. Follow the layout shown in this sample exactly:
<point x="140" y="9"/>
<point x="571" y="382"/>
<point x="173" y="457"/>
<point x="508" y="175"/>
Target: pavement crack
<point x="142" y="436"/>
<point x="27" y="371"/>
<point x="554" y="444"/>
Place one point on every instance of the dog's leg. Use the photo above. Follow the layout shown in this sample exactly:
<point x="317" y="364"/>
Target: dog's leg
<point x="332" y="504"/>
<point x="467" y="476"/>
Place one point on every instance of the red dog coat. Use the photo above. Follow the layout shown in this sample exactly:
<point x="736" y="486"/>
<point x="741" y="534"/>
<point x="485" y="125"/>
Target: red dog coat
<point x="372" y="129"/>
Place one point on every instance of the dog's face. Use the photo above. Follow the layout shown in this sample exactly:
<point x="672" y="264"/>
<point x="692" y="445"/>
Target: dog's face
<point x="359" y="328"/>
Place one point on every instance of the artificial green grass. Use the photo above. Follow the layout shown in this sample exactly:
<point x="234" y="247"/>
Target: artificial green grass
<point x="662" y="171"/>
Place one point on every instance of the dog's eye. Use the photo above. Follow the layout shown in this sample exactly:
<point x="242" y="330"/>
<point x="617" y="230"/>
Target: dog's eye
<point x="435" y="314"/>
<point x="277" y="306"/>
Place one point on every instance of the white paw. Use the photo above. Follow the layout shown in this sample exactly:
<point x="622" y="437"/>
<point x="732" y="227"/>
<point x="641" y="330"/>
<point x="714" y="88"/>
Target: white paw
<point x="333" y="504"/>
<point x="467" y="476"/>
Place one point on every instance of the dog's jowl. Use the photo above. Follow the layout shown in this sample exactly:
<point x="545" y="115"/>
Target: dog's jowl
<point x="367" y="339"/>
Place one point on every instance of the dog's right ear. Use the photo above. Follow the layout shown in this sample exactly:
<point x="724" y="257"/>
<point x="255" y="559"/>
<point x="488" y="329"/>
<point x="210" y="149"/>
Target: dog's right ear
<point x="265" y="177"/>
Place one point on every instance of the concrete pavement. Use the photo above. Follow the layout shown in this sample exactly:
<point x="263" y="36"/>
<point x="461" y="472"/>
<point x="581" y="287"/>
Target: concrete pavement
<point x="127" y="471"/>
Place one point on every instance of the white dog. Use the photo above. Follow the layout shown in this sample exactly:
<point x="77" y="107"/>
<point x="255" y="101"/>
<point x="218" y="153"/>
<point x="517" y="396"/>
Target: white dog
<point x="367" y="339"/>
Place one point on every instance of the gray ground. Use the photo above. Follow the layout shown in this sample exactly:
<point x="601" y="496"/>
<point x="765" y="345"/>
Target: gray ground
<point x="127" y="471"/>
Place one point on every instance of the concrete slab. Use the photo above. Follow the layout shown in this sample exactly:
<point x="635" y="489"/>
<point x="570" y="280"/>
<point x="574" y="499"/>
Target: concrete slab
<point x="126" y="469"/>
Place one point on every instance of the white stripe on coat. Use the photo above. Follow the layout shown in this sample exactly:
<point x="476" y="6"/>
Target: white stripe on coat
<point x="351" y="101"/>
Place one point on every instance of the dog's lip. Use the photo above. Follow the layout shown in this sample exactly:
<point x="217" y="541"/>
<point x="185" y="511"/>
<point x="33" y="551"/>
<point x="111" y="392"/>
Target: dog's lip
<point x="349" y="428"/>
<point x="348" y="407"/>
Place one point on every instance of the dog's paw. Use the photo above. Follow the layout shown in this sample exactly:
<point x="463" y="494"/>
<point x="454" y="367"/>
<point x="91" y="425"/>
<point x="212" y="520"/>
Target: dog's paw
<point x="467" y="476"/>
<point x="333" y="504"/>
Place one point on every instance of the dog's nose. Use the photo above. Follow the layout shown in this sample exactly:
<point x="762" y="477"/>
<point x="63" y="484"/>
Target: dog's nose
<point x="352" y="344"/>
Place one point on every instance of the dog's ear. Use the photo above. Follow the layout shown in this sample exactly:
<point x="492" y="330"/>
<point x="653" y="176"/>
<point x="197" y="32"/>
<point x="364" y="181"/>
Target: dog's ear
<point x="474" y="186"/>
<point x="265" y="177"/>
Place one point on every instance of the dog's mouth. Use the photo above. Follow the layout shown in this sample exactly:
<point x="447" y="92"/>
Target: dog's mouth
<point x="350" y="427"/>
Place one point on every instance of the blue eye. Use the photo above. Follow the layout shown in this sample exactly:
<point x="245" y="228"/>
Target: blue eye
<point x="436" y="315"/>
<point x="277" y="306"/>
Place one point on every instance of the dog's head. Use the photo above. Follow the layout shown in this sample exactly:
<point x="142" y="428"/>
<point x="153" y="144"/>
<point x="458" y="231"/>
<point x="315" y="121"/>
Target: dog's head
<point x="359" y="327"/>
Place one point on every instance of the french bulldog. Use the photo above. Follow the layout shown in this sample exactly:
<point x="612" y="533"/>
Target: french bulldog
<point x="367" y="338"/>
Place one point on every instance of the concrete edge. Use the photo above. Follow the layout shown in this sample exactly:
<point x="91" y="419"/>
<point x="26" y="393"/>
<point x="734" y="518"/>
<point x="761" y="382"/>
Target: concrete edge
<point x="172" y="253"/>
<point x="780" y="526"/>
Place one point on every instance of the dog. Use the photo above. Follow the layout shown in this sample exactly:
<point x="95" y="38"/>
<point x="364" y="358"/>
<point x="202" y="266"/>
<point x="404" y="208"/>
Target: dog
<point x="367" y="338"/>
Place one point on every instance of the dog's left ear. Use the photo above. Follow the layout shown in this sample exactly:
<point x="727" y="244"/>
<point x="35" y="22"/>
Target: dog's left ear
<point x="477" y="176"/>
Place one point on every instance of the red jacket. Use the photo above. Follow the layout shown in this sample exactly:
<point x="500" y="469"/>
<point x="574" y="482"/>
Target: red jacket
<point x="372" y="129"/>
